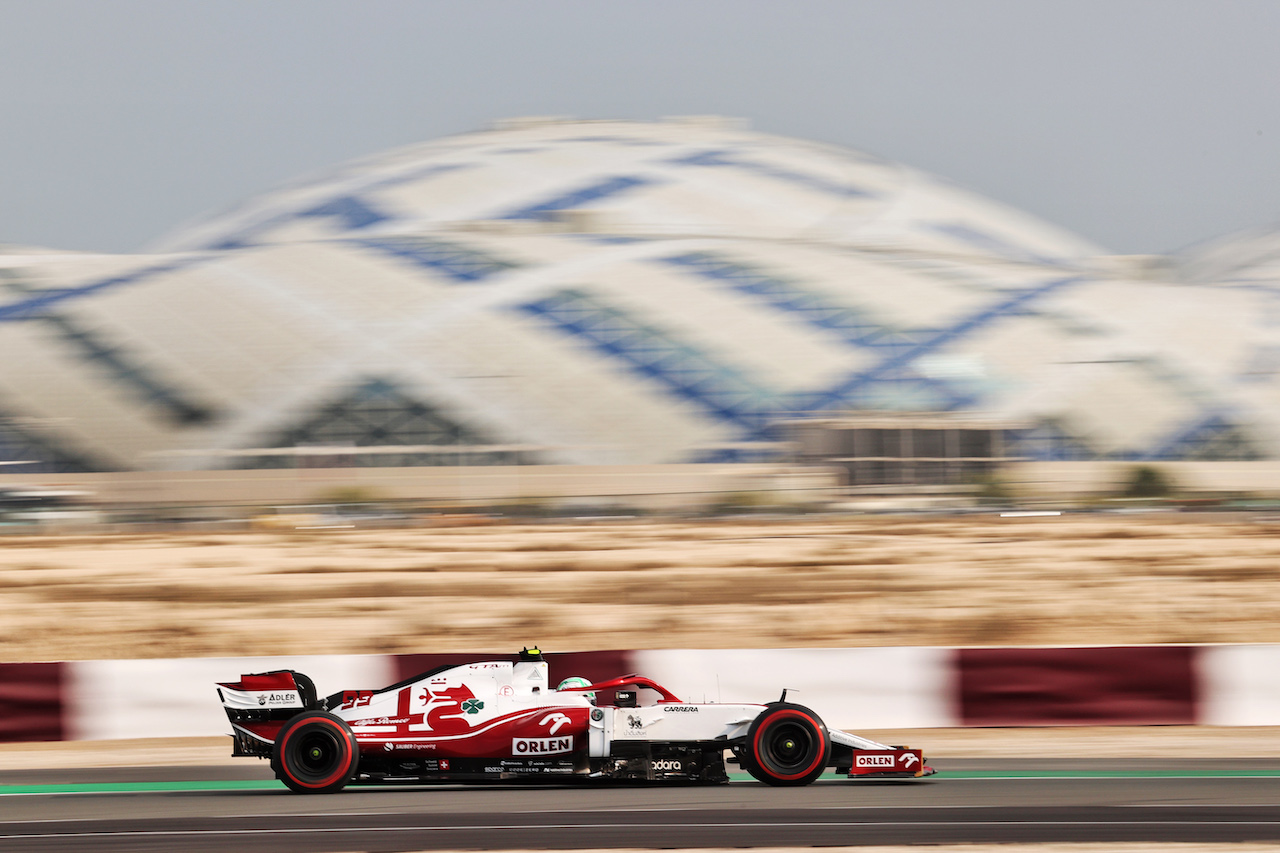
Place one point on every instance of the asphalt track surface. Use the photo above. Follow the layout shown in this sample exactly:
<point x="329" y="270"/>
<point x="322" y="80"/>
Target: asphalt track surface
<point x="200" y="809"/>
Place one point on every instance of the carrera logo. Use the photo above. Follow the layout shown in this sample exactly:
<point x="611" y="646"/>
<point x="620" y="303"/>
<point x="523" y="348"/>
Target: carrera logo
<point x="682" y="709"/>
<point x="875" y="760"/>
<point x="541" y="745"/>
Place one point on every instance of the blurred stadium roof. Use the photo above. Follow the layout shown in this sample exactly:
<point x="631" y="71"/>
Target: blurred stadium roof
<point x="624" y="292"/>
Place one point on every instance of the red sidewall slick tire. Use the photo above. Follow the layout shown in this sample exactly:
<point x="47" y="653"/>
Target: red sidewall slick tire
<point x="787" y="745"/>
<point x="315" y="753"/>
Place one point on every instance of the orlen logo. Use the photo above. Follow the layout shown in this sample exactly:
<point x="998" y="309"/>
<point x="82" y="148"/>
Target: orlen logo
<point x="541" y="745"/>
<point x="875" y="760"/>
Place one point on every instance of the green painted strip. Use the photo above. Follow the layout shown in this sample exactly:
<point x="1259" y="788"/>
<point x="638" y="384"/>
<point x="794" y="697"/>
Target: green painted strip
<point x="942" y="775"/>
<point x="144" y="787"/>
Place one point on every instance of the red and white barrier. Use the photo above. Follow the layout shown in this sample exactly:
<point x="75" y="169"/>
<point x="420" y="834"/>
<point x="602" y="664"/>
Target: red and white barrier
<point x="1103" y="686"/>
<point x="31" y="702"/>
<point x="1239" y="685"/>
<point x="862" y="688"/>
<point x="117" y="699"/>
<point x="859" y="688"/>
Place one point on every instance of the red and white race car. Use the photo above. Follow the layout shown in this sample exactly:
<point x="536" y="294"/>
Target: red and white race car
<point x="501" y="720"/>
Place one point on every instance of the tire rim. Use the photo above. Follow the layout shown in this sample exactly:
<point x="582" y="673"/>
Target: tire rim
<point x="788" y="748"/>
<point x="318" y="754"/>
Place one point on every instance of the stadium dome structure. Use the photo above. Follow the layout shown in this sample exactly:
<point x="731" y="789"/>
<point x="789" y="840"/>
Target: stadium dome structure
<point x="614" y="292"/>
<point x="1250" y="257"/>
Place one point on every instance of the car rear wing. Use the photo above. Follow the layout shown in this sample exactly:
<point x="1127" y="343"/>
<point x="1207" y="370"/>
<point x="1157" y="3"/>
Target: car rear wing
<point x="259" y="704"/>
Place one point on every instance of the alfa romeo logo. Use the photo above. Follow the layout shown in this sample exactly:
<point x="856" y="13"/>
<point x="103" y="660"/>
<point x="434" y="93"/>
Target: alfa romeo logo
<point x="472" y="706"/>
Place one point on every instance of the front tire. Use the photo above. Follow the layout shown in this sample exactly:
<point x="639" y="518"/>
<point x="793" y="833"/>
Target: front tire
<point x="315" y="753"/>
<point x="787" y="745"/>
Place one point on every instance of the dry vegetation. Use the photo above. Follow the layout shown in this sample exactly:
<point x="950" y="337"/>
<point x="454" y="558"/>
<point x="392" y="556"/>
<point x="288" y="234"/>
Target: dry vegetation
<point x="851" y="581"/>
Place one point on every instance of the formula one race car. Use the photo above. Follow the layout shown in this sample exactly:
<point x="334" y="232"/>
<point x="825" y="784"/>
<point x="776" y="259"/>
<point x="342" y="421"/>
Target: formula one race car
<point x="500" y="720"/>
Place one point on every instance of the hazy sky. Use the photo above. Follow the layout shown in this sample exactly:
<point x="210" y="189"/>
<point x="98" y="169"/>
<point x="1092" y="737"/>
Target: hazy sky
<point x="1145" y="125"/>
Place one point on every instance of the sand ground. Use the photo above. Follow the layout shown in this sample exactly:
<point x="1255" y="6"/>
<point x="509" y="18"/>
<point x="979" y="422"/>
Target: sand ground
<point x="803" y="582"/>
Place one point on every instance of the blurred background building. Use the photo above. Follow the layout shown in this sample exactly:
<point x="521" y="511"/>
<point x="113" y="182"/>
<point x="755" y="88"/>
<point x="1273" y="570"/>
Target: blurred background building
<point x="558" y="292"/>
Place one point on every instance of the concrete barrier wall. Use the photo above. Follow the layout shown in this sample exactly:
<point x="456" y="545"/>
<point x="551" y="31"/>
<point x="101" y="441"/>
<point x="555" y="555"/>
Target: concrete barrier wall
<point x="852" y="689"/>
<point x="656" y="486"/>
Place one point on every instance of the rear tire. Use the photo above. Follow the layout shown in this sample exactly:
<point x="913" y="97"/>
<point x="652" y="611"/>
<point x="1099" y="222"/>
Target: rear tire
<point x="315" y="753"/>
<point x="787" y="745"/>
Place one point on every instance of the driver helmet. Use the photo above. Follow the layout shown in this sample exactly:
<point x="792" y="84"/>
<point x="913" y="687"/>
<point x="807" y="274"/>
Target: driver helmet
<point x="578" y="681"/>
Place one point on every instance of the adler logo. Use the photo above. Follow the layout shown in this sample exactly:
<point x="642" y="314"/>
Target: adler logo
<point x="875" y="760"/>
<point x="541" y="745"/>
<point x="276" y="698"/>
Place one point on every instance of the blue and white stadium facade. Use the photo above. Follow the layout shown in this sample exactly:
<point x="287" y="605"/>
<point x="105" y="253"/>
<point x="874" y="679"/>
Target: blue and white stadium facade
<point x="622" y="293"/>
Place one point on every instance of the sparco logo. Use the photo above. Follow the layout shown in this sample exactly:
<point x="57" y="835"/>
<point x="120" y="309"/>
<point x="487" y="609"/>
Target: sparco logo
<point x="541" y="745"/>
<point x="682" y="709"/>
<point x="875" y="760"/>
